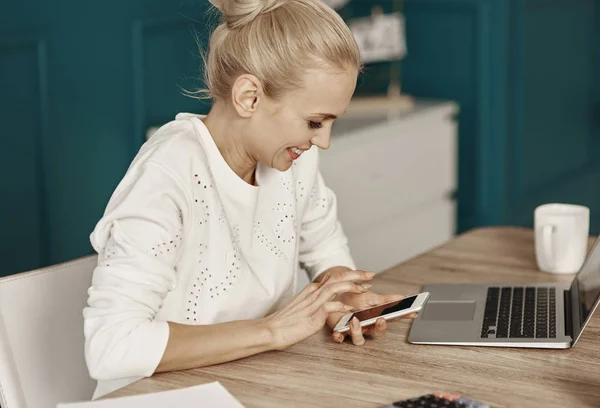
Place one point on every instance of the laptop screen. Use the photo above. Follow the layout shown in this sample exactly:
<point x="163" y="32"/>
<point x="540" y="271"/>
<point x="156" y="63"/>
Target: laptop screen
<point x="587" y="283"/>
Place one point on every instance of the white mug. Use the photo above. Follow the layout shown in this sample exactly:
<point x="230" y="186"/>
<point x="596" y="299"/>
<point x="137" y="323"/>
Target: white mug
<point x="561" y="237"/>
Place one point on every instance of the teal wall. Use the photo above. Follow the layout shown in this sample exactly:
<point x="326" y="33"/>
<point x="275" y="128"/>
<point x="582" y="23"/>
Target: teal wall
<point x="461" y="55"/>
<point x="525" y="73"/>
<point x="81" y="82"/>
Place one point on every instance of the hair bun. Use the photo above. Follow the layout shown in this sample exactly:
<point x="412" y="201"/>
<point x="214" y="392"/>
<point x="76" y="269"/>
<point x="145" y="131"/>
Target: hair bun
<point x="238" y="13"/>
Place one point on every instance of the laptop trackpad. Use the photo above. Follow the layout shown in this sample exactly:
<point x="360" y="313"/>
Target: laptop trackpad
<point x="449" y="311"/>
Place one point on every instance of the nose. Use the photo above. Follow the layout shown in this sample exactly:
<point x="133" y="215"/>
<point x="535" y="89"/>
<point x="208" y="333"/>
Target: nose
<point x="322" y="140"/>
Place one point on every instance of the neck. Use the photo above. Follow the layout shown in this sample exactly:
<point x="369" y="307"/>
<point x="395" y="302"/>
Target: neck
<point x="226" y="129"/>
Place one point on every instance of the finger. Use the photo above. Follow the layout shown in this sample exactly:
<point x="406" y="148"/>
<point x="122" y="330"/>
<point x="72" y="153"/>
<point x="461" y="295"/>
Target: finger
<point x="325" y="280"/>
<point x="322" y="277"/>
<point x="336" y="307"/>
<point x="328" y="292"/>
<point x="450" y="396"/>
<point x="356" y="332"/>
<point x="351" y="275"/>
<point x="313" y="286"/>
<point x="309" y="289"/>
<point x="378" y="329"/>
<point x="312" y="301"/>
<point x="304" y="294"/>
<point x="338" y="337"/>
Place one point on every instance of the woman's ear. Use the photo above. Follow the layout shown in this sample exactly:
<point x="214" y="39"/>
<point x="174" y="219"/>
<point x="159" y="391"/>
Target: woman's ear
<point x="246" y="94"/>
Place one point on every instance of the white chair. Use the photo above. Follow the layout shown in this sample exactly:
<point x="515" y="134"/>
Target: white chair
<point x="41" y="336"/>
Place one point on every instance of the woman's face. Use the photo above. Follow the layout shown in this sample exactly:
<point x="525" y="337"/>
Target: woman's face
<point x="280" y="130"/>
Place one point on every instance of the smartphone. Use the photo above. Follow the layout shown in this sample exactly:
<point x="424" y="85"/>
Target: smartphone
<point x="387" y="311"/>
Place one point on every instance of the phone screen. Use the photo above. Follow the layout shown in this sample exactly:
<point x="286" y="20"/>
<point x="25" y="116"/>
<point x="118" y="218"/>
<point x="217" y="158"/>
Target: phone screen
<point x="383" y="309"/>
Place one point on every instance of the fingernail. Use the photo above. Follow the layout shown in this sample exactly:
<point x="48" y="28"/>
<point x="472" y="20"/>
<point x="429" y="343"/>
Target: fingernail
<point x="348" y="307"/>
<point x="370" y="274"/>
<point x="366" y="286"/>
<point x="355" y="323"/>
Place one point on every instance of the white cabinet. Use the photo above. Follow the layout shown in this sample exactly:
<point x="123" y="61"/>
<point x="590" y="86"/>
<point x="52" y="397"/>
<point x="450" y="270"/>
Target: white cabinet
<point x="394" y="176"/>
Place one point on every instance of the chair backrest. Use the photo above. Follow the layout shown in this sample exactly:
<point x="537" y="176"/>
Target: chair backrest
<point x="42" y="358"/>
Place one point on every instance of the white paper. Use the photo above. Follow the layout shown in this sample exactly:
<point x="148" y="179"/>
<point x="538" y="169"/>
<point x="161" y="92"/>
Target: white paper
<point x="201" y="396"/>
<point x="380" y="37"/>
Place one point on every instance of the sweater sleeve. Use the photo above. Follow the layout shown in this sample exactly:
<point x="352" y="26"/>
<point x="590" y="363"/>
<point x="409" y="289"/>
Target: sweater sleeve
<point x="323" y="243"/>
<point x="138" y="241"/>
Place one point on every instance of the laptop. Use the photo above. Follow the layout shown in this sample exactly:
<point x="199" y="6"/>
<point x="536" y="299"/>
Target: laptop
<point x="551" y="315"/>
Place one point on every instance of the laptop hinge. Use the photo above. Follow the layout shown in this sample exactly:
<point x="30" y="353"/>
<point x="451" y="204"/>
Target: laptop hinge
<point x="568" y="313"/>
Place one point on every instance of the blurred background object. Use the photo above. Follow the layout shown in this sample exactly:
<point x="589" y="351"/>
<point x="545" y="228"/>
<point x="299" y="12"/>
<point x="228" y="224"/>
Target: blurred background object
<point x="82" y="83"/>
<point x="336" y="4"/>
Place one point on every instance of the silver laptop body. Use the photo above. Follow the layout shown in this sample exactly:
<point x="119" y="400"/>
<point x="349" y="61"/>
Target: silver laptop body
<point x="510" y="315"/>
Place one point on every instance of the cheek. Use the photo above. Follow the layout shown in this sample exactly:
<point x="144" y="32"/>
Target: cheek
<point x="298" y="134"/>
<point x="289" y="136"/>
<point x="280" y="132"/>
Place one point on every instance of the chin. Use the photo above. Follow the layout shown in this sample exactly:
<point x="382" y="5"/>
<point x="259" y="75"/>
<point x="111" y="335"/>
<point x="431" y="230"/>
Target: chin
<point x="280" y="163"/>
<point x="283" y="166"/>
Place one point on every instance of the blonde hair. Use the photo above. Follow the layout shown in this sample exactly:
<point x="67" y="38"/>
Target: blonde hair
<point x="277" y="41"/>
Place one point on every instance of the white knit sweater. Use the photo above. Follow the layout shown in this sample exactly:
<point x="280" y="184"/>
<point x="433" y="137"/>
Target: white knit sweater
<point x="184" y="239"/>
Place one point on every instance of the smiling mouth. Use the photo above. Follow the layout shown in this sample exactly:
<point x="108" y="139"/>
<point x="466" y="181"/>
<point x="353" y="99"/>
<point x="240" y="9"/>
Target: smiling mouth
<point x="295" y="152"/>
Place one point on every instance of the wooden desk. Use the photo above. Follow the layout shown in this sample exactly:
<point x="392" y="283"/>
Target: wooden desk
<point x="319" y="373"/>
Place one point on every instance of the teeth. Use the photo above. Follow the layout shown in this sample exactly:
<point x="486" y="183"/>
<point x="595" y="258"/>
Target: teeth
<point x="297" y="151"/>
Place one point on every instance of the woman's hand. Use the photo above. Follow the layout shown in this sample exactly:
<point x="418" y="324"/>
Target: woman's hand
<point x="309" y="310"/>
<point x="359" y="301"/>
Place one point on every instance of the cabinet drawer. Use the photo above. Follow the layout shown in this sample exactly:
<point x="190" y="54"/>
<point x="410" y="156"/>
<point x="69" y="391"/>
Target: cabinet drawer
<point x="386" y="244"/>
<point x="383" y="170"/>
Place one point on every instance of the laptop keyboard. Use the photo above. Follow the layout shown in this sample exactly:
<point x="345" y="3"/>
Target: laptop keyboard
<point x="520" y="312"/>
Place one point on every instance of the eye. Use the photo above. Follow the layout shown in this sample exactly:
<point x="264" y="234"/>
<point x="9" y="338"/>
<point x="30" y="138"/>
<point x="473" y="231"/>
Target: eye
<point x="315" y="125"/>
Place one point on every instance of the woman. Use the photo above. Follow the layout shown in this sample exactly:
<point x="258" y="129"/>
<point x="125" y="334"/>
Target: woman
<point x="201" y="241"/>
